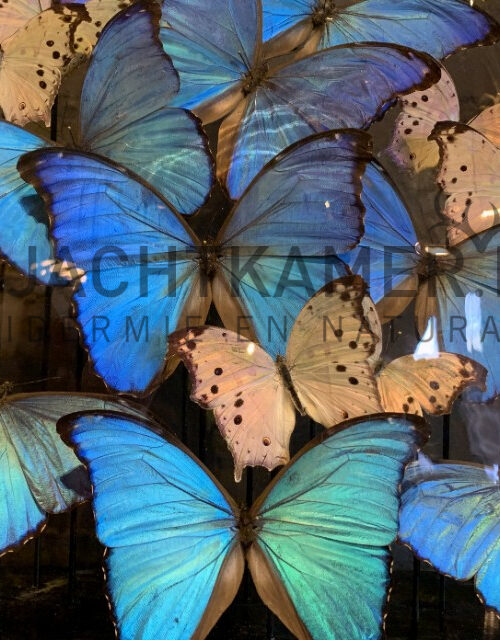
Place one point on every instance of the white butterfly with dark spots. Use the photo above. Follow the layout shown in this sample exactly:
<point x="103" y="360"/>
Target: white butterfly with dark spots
<point x="88" y="32"/>
<point x="325" y="374"/>
<point x="32" y="58"/>
<point x="410" y="147"/>
<point x="470" y="173"/>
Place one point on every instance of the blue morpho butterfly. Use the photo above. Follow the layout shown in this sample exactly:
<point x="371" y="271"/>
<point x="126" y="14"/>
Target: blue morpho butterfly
<point x="316" y="541"/>
<point x="439" y="27"/>
<point x="147" y="273"/>
<point x="456" y="288"/>
<point x="270" y="103"/>
<point x="123" y="116"/>
<point x="39" y="474"/>
<point x="450" y="516"/>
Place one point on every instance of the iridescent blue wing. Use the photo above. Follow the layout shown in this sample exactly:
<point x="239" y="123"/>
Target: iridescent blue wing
<point x="467" y="295"/>
<point x="24" y="240"/>
<point x="450" y="516"/>
<point x="260" y="296"/>
<point x="124" y="114"/>
<point x="348" y="86"/>
<point x="136" y="253"/>
<point x="169" y="529"/>
<point x="280" y="15"/>
<point x="303" y="206"/>
<point x="386" y="256"/>
<point x="325" y="524"/>
<point x="213" y="46"/>
<point x="307" y="195"/>
<point x="39" y="474"/>
<point x="438" y="27"/>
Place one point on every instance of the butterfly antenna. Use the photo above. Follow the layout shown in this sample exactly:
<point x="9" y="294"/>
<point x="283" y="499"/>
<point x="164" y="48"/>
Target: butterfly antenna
<point x="23" y="384"/>
<point x="72" y="136"/>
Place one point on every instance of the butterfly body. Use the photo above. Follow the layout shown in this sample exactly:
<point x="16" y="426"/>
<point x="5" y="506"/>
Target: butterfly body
<point x="286" y="378"/>
<point x="323" y="12"/>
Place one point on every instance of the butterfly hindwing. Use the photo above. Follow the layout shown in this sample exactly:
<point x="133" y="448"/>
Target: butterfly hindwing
<point x="124" y="112"/>
<point x="470" y="164"/>
<point x="450" y="515"/>
<point x="238" y="380"/>
<point x="324" y="525"/>
<point x="169" y="528"/>
<point x="411" y="384"/>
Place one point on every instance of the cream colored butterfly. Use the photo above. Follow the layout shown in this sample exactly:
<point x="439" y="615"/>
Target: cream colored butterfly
<point x="87" y="32"/>
<point x="32" y="57"/>
<point x="414" y="385"/>
<point x="410" y="147"/>
<point x="325" y="374"/>
<point x="470" y="173"/>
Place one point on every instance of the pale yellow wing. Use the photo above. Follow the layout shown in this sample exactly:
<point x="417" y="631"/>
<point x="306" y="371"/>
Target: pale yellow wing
<point x="328" y="354"/>
<point x="412" y="385"/>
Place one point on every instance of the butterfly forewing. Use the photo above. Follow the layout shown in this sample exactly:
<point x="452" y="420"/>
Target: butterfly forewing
<point x="349" y="86"/>
<point x="128" y="241"/>
<point x="128" y="119"/>
<point x="328" y="354"/>
<point x="410" y="146"/>
<point x="239" y="381"/>
<point x="88" y="32"/>
<point x="168" y="526"/>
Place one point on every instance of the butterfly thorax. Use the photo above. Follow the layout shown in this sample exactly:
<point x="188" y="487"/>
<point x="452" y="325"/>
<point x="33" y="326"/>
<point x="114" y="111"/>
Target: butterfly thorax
<point x="247" y="528"/>
<point x="323" y="12"/>
<point x="434" y="260"/>
<point x="208" y="258"/>
<point x="284" y="373"/>
<point x="254" y="78"/>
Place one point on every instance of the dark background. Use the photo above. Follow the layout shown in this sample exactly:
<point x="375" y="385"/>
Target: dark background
<point x="38" y="340"/>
